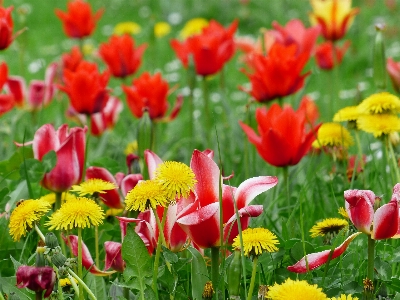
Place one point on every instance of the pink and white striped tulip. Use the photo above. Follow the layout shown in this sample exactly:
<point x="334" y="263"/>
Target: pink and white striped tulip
<point x="202" y="215"/>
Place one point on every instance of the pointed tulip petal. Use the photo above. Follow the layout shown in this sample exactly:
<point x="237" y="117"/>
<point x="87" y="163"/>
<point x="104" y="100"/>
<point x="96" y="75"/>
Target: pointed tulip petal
<point x="386" y="221"/>
<point x="114" y="257"/>
<point x="317" y="259"/>
<point x="152" y="161"/>
<point x="359" y="207"/>
<point x="252" y="187"/>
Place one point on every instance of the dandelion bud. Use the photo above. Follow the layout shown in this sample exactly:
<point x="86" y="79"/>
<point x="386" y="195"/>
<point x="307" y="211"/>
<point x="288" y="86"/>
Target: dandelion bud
<point x="208" y="290"/>
<point x="51" y="240"/>
<point x="58" y="259"/>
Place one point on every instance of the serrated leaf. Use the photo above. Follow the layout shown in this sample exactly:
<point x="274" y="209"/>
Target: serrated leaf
<point x="169" y="255"/>
<point x="139" y="268"/>
<point x="199" y="274"/>
<point x="9" y="167"/>
<point x="8" y="286"/>
<point x="49" y="160"/>
<point x="97" y="285"/>
<point x="16" y="263"/>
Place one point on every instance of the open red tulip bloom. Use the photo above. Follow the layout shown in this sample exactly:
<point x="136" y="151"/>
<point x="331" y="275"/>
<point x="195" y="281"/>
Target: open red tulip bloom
<point x="211" y="49"/>
<point x="121" y="55"/>
<point x="6" y="27"/>
<point x="78" y="21"/>
<point x="380" y="224"/>
<point x="329" y="55"/>
<point x="200" y="218"/>
<point x="6" y="100"/>
<point x="283" y="140"/>
<point x="36" y="279"/>
<point x="86" y="88"/>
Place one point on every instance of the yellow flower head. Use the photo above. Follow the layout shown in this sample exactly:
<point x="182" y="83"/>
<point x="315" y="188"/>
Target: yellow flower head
<point x="344" y="297"/>
<point x="349" y="113"/>
<point x="51" y="198"/>
<point x="299" y="289"/>
<point x="132" y="147"/>
<point x="380" y="103"/>
<point x="256" y="241"/>
<point x="25" y="215"/>
<point x="333" y="135"/>
<point x="92" y="186"/>
<point x="127" y="28"/>
<point x="114" y="212"/>
<point x="80" y="212"/>
<point x="193" y="27"/>
<point x="334" y="17"/>
<point x="66" y="282"/>
<point x="379" y="124"/>
<point x="328" y="226"/>
<point x="342" y="211"/>
<point x="146" y="194"/>
<point x="161" y="29"/>
<point x="176" y="178"/>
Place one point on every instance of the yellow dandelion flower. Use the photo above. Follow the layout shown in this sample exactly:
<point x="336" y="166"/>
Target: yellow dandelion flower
<point x="49" y="198"/>
<point x="146" y="194"/>
<point x="256" y="241"/>
<point x="25" y="215"/>
<point x="127" y="28"/>
<point x="132" y="147"/>
<point x="299" y="289"/>
<point x="380" y="103"/>
<point x="92" y="186"/>
<point x="88" y="49"/>
<point x="80" y="212"/>
<point x="328" y="226"/>
<point x="344" y="297"/>
<point x="379" y="124"/>
<point x="66" y="282"/>
<point x="193" y="27"/>
<point x="161" y="29"/>
<point x="176" y="178"/>
<point x="342" y="211"/>
<point x="349" y="113"/>
<point x="113" y="212"/>
<point x="333" y="135"/>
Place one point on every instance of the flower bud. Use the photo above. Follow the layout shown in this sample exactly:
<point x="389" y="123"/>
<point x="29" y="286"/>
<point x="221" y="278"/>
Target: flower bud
<point x="58" y="259"/>
<point x="234" y="274"/>
<point x="144" y="135"/>
<point x="51" y="240"/>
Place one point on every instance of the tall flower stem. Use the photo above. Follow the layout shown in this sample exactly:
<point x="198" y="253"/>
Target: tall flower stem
<point x="161" y="239"/>
<point x="393" y="160"/>
<point x="287" y="186"/>
<point x="207" y="116"/>
<point x="96" y="242"/>
<point x="215" y="266"/>
<point x="253" y="278"/>
<point x="80" y="273"/>
<point x="57" y="205"/>
<point x="371" y="258"/>
<point x="192" y="83"/>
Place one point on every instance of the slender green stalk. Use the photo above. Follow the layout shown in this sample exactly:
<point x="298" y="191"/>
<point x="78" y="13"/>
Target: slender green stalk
<point x="39" y="232"/>
<point x="86" y="149"/>
<point x="82" y="285"/>
<point x="125" y="291"/>
<point x="287" y="186"/>
<point x="96" y="242"/>
<point x="39" y="295"/>
<point x="80" y="273"/>
<point x="393" y="160"/>
<point x="371" y="259"/>
<point x="57" y="206"/>
<point x="73" y="283"/>
<point x="60" y="295"/>
<point x="215" y="267"/>
<point x="253" y="278"/>
<point x="207" y="116"/>
<point x="161" y="239"/>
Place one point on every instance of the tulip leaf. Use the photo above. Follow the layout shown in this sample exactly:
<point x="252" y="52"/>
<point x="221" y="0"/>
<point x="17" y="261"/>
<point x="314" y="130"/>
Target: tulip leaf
<point x="49" y="160"/>
<point x="32" y="169"/>
<point x="169" y="255"/>
<point x="8" y="286"/>
<point x="96" y="285"/>
<point x="199" y="274"/>
<point x="9" y="167"/>
<point x="138" y="272"/>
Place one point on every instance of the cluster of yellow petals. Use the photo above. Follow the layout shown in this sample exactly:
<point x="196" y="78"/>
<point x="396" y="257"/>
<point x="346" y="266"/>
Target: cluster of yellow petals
<point x="193" y="27"/>
<point x="256" y="241"/>
<point x="92" y="186"/>
<point x="25" y="215"/>
<point x="295" y="289"/>
<point x="145" y="195"/>
<point x="333" y="135"/>
<point x="127" y="28"/>
<point x="344" y="297"/>
<point x="327" y="226"/>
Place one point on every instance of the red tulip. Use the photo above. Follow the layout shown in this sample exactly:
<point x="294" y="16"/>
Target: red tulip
<point x="284" y="140"/>
<point x="78" y="21"/>
<point x="328" y="55"/>
<point x="87" y="260"/>
<point x="200" y="216"/>
<point x="72" y="60"/>
<point x="278" y="74"/>
<point x="37" y="279"/>
<point x="393" y="68"/>
<point x="69" y="146"/>
<point x="107" y="117"/>
<point x="111" y="198"/>
<point x="114" y="256"/>
<point x="211" y="49"/>
<point x="314" y="260"/>
<point x="6" y="100"/>
<point x="380" y="224"/>
<point x="6" y="27"/>
<point x="86" y="88"/>
<point x="121" y="56"/>
<point x="150" y="93"/>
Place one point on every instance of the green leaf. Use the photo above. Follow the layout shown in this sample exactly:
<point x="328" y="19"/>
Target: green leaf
<point x="138" y="272"/>
<point x="33" y="169"/>
<point x="9" y="167"/>
<point x="199" y="274"/>
<point x="8" y="286"/>
<point x="394" y="284"/>
<point x="169" y="255"/>
<point x="16" y="263"/>
<point x="97" y="285"/>
<point x="4" y="197"/>
<point x="49" y="160"/>
<point x="297" y="251"/>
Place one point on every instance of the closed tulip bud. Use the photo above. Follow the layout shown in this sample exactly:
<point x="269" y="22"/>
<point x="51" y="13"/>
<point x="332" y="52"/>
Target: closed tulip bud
<point x="234" y="274"/>
<point x="145" y="133"/>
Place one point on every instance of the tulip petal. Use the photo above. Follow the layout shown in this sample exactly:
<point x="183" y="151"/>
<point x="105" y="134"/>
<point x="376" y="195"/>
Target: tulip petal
<point x="87" y="261"/>
<point x="251" y="188"/>
<point x="113" y="256"/>
<point x="317" y="259"/>
<point x="359" y="207"/>
<point x="386" y="221"/>
<point x="152" y="161"/>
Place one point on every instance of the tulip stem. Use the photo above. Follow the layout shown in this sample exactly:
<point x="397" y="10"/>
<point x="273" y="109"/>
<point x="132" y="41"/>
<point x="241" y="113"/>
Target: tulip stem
<point x="371" y="259"/>
<point x="82" y="284"/>
<point x="215" y="267"/>
<point x="80" y="262"/>
<point x="39" y="232"/>
<point x="39" y="295"/>
<point x="286" y="179"/>
<point x="96" y="243"/>
<point x="207" y="116"/>
<point x="253" y="278"/>
<point x="393" y="159"/>
<point x="57" y="206"/>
